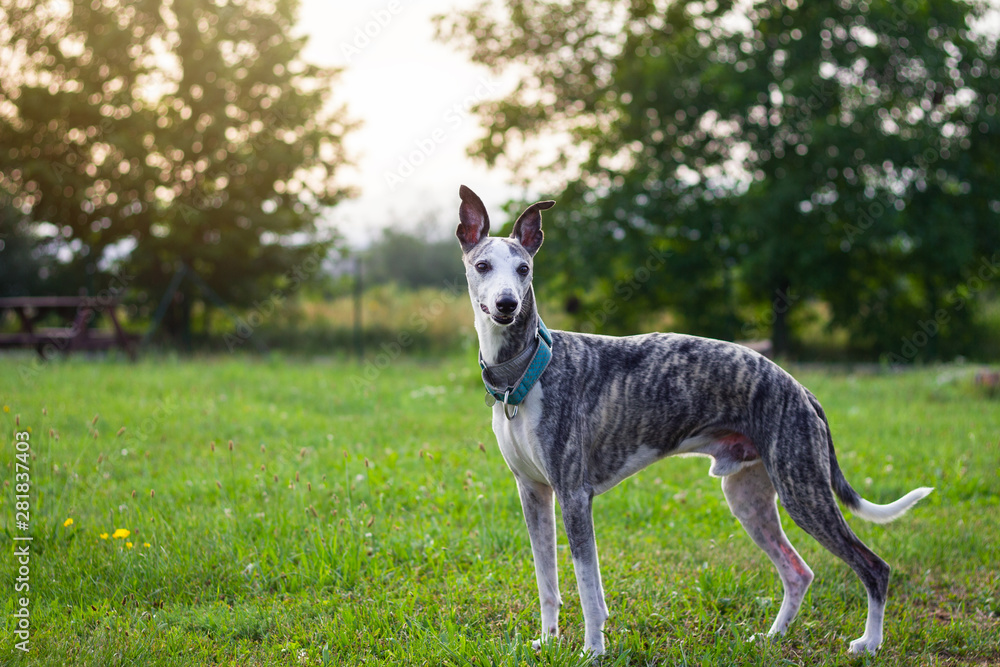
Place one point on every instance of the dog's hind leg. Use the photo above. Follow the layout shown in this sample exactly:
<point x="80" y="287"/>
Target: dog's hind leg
<point x="577" y="511"/>
<point x="752" y="499"/>
<point x="805" y="492"/>
<point x="539" y="514"/>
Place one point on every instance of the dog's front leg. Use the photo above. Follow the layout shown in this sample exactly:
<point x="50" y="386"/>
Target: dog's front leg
<point x="579" y="521"/>
<point x="540" y="515"/>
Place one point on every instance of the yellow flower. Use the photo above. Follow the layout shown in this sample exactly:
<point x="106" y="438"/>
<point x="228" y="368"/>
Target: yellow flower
<point x="103" y="536"/>
<point x="128" y="545"/>
<point x="6" y="408"/>
<point x="67" y="523"/>
<point x="146" y="544"/>
<point x="121" y="533"/>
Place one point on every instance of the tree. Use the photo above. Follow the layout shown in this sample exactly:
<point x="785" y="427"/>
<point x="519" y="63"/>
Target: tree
<point x="780" y="152"/>
<point x="189" y="131"/>
<point x="26" y="266"/>
<point x="415" y="258"/>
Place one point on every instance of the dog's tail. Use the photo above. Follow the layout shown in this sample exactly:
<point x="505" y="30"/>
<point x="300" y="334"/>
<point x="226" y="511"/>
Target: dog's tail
<point x="866" y="510"/>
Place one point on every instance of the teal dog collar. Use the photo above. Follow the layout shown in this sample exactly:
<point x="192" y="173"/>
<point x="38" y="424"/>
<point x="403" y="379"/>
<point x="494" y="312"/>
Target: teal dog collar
<point x="534" y="362"/>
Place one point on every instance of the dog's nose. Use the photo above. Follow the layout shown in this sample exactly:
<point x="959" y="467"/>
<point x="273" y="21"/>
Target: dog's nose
<point x="506" y="304"/>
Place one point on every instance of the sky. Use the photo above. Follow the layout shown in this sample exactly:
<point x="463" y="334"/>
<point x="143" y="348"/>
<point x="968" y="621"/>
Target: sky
<point x="412" y="94"/>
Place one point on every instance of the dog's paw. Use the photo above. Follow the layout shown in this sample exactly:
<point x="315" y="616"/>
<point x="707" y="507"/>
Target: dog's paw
<point x="537" y="644"/>
<point x="765" y="638"/>
<point x="864" y="645"/>
<point x="546" y="638"/>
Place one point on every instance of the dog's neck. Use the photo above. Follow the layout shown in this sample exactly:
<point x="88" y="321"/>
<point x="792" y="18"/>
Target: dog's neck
<point x="499" y="343"/>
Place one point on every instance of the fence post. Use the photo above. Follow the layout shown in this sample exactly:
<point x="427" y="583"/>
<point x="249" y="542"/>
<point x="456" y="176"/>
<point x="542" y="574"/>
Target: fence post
<point x="359" y="341"/>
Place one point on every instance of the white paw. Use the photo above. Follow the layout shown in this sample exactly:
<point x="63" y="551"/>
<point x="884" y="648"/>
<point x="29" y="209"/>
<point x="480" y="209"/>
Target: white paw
<point x="864" y="645"/>
<point x="537" y="644"/>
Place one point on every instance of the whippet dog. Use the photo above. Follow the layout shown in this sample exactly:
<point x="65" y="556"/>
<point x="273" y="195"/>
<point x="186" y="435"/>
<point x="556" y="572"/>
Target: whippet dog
<point x="575" y="414"/>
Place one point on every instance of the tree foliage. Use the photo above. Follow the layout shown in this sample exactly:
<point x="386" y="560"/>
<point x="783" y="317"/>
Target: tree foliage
<point x="779" y="152"/>
<point x="413" y="259"/>
<point x="168" y="131"/>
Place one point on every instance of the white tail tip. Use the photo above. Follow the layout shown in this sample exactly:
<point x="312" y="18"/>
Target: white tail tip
<point x="892" y="511"/>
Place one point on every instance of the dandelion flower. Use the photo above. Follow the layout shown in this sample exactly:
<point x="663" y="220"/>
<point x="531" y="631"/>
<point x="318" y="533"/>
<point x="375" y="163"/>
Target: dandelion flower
<point x="67" y="523"/>
<point x="121" y="533"/>
<point x="146" y="544"/>
<point x="6" y="408"/>
<point x="128" y="545"/>
<point x="103" y="536"/>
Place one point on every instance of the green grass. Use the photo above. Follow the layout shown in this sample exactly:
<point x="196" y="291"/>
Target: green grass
<point x="376" y="523"/>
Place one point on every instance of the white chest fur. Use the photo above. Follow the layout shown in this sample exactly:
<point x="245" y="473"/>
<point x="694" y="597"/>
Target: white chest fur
<point x="518" y="438"/>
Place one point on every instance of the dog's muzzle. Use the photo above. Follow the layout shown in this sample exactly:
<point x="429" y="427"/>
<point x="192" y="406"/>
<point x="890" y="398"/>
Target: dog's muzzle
<point x="506" y="309"/>
<point x="504" y="313"/>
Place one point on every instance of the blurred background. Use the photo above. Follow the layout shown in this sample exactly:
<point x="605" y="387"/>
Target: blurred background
<point x="251" y="175"/>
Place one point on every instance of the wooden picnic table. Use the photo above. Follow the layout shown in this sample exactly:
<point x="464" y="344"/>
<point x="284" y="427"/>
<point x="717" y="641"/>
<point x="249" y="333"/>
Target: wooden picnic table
<point x="78" y="337"/>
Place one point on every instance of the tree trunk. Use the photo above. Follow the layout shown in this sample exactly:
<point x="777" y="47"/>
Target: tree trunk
<point x="185" y="328"/>
<point x="780" y="335"/>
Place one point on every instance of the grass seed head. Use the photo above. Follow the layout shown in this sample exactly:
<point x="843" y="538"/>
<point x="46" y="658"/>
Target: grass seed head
<point x="120" y="431"/>
<point x="94" y="420"/>
<point x="230" y="445"/>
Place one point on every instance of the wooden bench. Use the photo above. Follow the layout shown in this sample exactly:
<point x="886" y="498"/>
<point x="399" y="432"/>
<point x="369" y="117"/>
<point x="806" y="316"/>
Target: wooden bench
<point x="78" y="337"/>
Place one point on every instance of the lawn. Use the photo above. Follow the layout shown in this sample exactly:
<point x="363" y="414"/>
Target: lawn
<point x="290" y="512"/>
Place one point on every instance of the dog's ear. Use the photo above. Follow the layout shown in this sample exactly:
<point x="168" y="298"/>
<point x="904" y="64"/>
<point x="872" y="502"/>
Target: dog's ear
<point x="528" y="228"/>
<point x="474" y="223"/>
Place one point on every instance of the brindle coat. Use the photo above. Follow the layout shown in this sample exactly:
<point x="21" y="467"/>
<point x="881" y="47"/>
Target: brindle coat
<point x="607" y="407"/>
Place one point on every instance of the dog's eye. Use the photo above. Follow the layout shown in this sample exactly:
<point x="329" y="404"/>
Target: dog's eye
<point x="482" y="267"/>
<point x="523" y="269"/>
